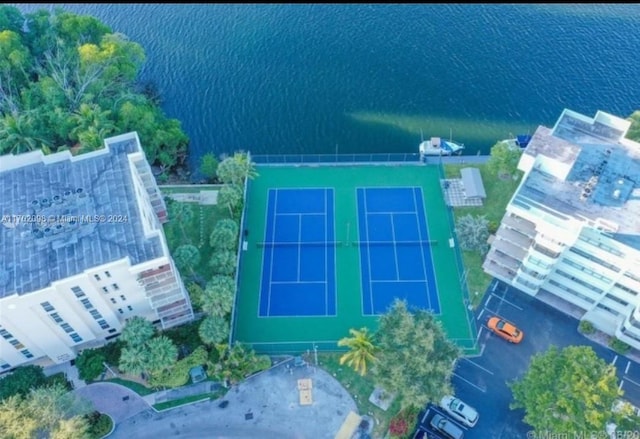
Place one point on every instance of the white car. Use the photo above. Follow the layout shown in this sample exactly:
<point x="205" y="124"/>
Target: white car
<point x="459" y="410"/>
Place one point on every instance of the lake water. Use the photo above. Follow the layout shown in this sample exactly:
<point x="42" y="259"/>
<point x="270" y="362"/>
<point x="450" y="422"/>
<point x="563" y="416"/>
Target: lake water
<point x="376" y="78"/>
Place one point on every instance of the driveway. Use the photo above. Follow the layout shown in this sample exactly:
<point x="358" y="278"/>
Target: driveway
<point x="115" y="400"/>
<point x="265" y="406"/>
<point x="482" y="381"/>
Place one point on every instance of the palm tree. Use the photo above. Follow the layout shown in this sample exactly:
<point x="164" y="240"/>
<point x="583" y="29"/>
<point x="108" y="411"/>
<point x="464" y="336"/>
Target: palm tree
<point x="361" y="350"/>
<point x="213" y="330"/>
<point x="17" y="134"/>
<point x="133" y="360"/>
<point x="137" y="332"/>
<point x="181" y="213"/>
<point x="161" y="353"/>
<point x="230" y="196"/>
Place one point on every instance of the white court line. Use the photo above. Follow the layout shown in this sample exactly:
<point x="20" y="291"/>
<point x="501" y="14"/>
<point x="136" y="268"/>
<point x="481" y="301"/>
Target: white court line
<point x="301" y="282"/>
<point x="620" y="386"/>
<point x="480" y="315"/>
<point x="478" y="366"/>
<point x="479" y="334"/>
<point x="299" y="243"/>
<point x="298" y="213"/>
<point x="399" y="281"/>
<point x="495" y="285"/>
<point x="488" y="300"/>
<point x="366" y="229"/>
<point x="506" y="301"/>
<point x="395" y="247"/>
<point x="613" y="363"/>
<point x="470" y="383"/>
<point x="631" y="381"/>
<point x="626" y="369"/>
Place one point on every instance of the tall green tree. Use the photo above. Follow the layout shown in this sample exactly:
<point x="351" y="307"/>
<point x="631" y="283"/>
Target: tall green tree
<point x="567" y="390"/>
<point x="16" y="422"/>
<point x="181" y="214"/>
<point x="187" y="257"/>
<point x="218" y="296"/>
<point x="134" y="360"/>
<point x="634" y="129"/>
<point x="137" y="332"/>
<point x="90" y="364"/>
<point x="209" y="166"/>
<point x="230" y="197"/>
<point x="361" y="350"/>
<point x="415" y="358"/>
<point x="223" y="262"/>
<point x="236" y="168"/>
<point x="473" y="233"/>
<point x="161" y="354"/>
<point x="504" y="159"/>
<point x="213" y="330"/>
<point x="21" y="381"/>
<point x="224" y="235"/>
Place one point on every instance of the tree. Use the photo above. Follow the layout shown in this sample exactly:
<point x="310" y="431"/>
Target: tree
<point x="415" y="358"/>
<point x="181" y="213"/>
<point x="504" y="159"/>
<point x="16" y="422"/>
<point x="133" y="360"/>
<point x="52" y="404"/>
<point x="186" y="257"/>
<point x="634" y="129"/>
<point x="90" y="364"/>
<point x="161" y="354"/>
<point x="195" y="294"/>
<point x="21" y="381"/>
<point x="230" y="196"/>
<point x="473" y="233"/>
<point x="361" y="350"/>
<point x="213" y="330"/>
<point x="218" y="296"/>
<point x="73" y="428"/>
<point x="223" y="262"/>
<point x="137" y="331"/>
<point x="567" y="390"/>
<point x="209" y="166"/>
<point x="224" y="235"/>
<point x="235" y="169"/>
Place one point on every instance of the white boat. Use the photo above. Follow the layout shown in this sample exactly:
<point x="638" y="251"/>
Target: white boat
<point x="438" y="146"/>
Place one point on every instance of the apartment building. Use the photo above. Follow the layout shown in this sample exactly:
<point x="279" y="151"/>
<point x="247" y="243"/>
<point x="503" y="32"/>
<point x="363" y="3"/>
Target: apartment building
<point x="81" y="251"/>
<point x="571" y="232"/>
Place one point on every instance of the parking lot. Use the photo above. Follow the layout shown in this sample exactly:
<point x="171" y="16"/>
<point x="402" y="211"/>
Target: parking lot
<point x="482" y="381"/>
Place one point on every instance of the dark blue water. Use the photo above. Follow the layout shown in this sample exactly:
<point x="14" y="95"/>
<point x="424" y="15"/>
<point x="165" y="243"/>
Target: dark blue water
<point x="375" y="78"/>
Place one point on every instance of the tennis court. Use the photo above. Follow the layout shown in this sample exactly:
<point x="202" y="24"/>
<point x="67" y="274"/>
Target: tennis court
<point x="298" y="267"/>
<point x="395" y="256"/>
<point x="327" y="248"/>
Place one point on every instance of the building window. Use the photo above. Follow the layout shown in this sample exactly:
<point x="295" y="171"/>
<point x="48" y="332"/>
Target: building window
<point x="105" y="290"/>
<point x="67" y="328"/>
<point x="115" y="287"/>
<point x="47" y="306"/>
<point x="16" y="344"/>
<point x="96" y="315"/>
<point x="75" y="337"/>
<point x="590" y="257"/>
<point x="78" y="292"/>
<point x="56" y="317"/>
<point x="5" y="334"/>
<point x="112" y="330"/>
<point x="122" y="298"/>
<point x="87" y="303"/>
<point x="626" y="332"/>
<point x="26" y="353"/>
<point x="120" y="311"/>
<point x="96" y="276"/>
<point x="616" y="299"/>
<point x="129" y="308"/>
<point x="4" y="365"/>
<point x="106" y="273"/>
<point x="103" y="324"/>
<point x="113" y="300"/>
<point x="606" y="308"/>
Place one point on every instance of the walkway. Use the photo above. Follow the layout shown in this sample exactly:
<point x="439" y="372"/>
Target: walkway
<point x="115" y="400"/>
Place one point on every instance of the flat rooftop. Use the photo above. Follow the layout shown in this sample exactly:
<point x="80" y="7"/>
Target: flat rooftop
<point x="603" y="184"/>
<point x="62" y="218"/>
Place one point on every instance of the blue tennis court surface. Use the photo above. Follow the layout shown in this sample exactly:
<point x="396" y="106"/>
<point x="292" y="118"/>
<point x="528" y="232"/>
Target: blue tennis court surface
<point x="298" y="266"/>
<point x="395" y="253"/>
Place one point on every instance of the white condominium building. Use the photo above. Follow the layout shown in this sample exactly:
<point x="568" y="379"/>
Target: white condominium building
<point x="81" y="251"/>
<point x="571" y="232"/>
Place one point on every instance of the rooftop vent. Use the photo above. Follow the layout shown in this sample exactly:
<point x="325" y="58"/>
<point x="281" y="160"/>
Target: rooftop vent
<point x="616" y="194"/>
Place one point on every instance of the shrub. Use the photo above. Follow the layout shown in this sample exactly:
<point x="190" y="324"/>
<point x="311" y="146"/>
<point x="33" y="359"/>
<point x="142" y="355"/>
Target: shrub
<point x="586" y="327"/>
<point x="178" y="375"/>
<point x="619" y="346"/>
<point x="99" y="424"/>
<point x="402" y="423"/>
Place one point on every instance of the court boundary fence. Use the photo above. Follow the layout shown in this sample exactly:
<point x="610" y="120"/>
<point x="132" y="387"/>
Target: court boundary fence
<point x="282" y="159"/>
<point x="241" y="238"/>
<point x="462" y="276"/>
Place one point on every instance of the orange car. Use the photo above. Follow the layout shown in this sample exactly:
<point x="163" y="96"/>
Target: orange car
<point x="505" y="330"/>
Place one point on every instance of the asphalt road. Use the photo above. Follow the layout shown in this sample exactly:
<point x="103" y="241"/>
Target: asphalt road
<point x="482" y="381"/>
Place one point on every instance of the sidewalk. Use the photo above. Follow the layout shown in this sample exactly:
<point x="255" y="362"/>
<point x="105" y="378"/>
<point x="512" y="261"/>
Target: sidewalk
<point x="182" y="392"/>
<point x="70" y="372"/>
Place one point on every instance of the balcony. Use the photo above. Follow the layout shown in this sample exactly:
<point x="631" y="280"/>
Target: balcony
<point x="514" y="237"/>
<point x="503" y="259"/>
<point x="498" y="271"/>
<point x="520" y="224"/>
<point x="509" y="249"/>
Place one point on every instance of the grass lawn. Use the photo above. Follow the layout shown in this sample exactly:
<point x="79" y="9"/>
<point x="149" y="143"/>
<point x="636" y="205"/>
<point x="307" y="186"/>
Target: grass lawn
<point x="189" y="399"/>
<point x="360" y="389"/>
<point x="136" y="387"/>
<point x="499" y="193"/>
<point x="196" y="232"/>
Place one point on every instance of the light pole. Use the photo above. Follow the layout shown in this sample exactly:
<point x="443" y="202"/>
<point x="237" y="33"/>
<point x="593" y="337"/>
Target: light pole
<point x="315" y="353"/>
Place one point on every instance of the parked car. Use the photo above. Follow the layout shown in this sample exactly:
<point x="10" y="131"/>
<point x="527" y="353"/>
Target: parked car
<point x="506" y="330"/>
<point x="459" y="410"/>
<point x="446" y="427"/>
